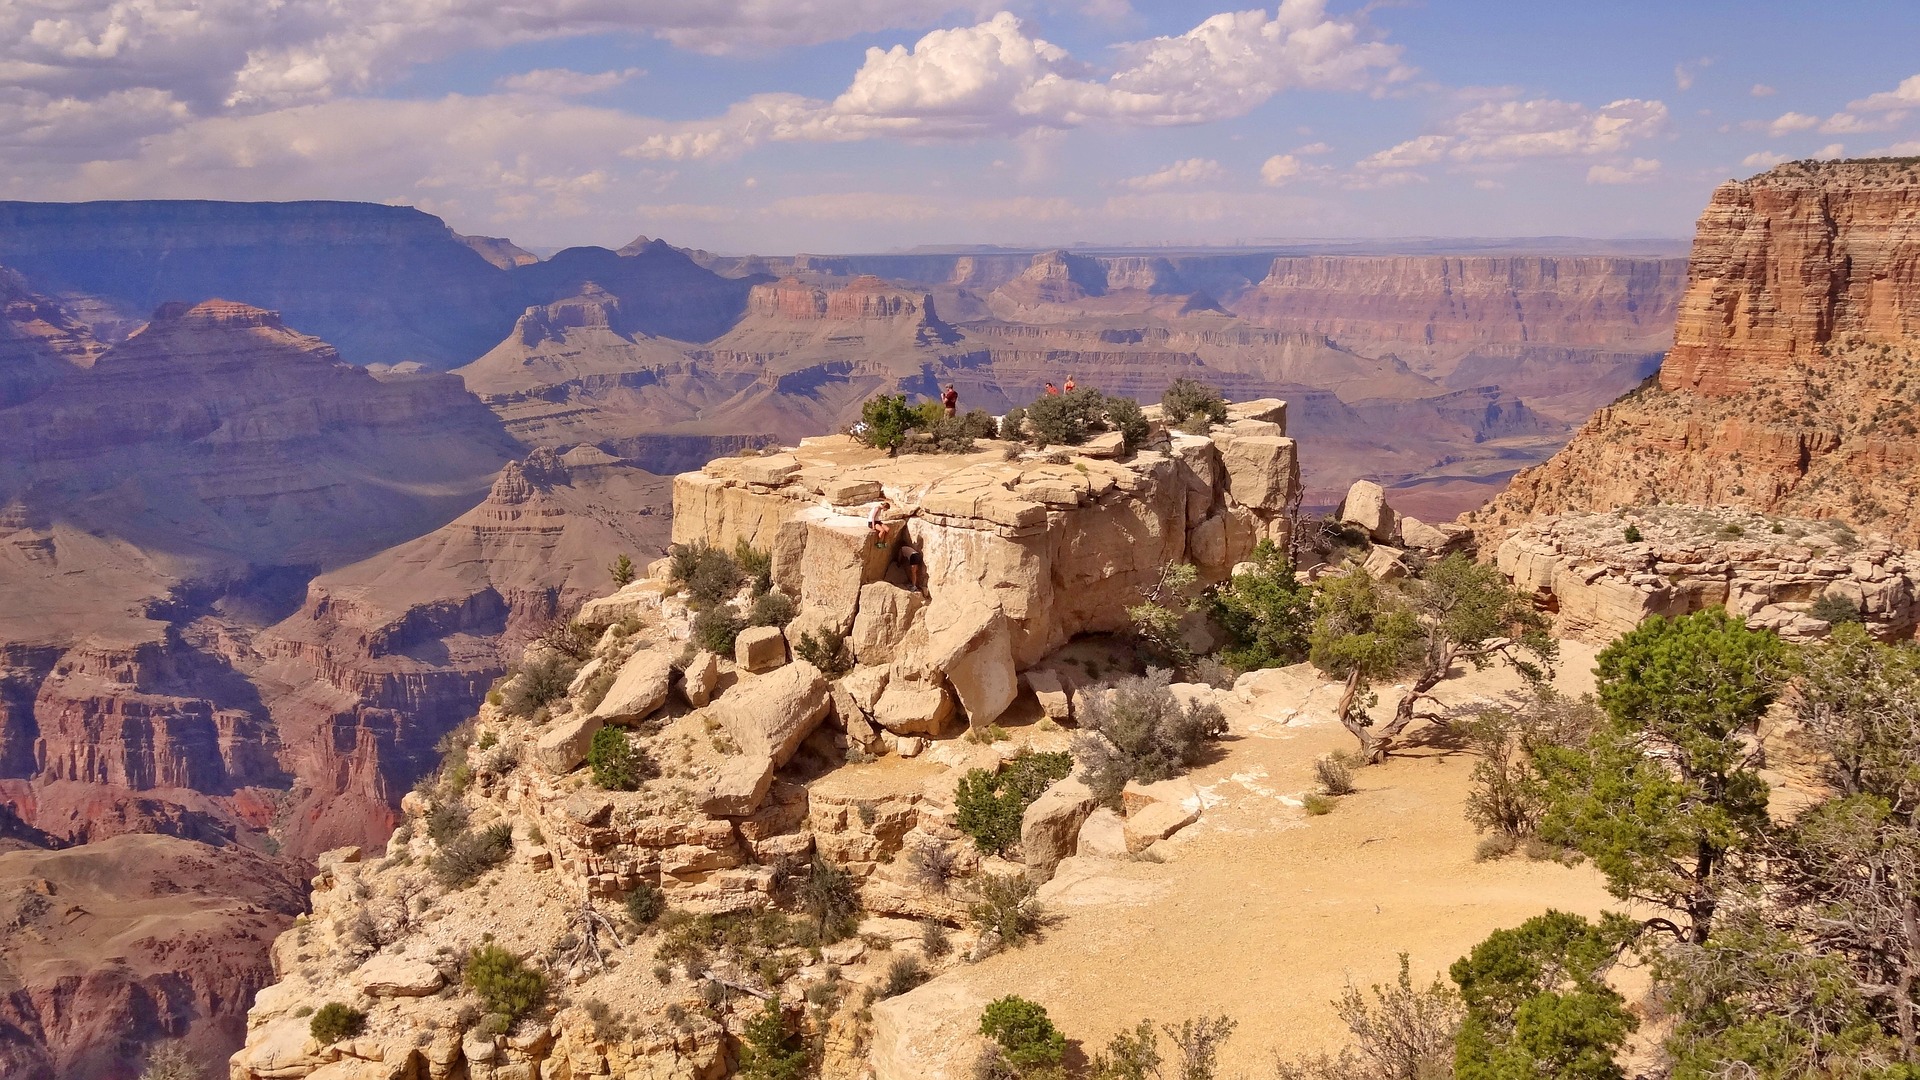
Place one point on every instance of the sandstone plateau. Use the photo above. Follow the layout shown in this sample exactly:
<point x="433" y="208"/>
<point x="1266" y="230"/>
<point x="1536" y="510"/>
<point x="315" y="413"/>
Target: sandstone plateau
<point x="1789" y="389"/>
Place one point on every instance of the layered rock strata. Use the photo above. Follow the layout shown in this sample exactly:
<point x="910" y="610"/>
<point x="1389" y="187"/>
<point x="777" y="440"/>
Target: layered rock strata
<point x="1788" y="387"/>
<point x="1603" y="574"/>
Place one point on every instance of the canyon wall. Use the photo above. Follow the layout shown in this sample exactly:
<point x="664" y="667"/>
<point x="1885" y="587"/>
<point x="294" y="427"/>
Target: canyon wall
<point x="1788" y="389"/>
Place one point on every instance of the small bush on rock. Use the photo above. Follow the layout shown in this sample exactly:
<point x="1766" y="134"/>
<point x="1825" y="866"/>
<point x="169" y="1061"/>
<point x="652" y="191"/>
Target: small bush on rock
<point x="767" y="1052"/>
<point x="616" y="765"/>
<point x="1137" y="730"/>
<point x="543" y="681"/>
<point x="715" y="629"/>
<point x="170" y="1061"/>
<point x="826" y="649"/>
<point x="335" y="1021"/>
<point x="709" y="575"/>
<point x="1334" y="773"/>
<point x="646" y="903"/>
<point x="1124" y="416"/>
<point x="991" y="804"/>
<point x="885" y="421"/>
<point x="1067" y="419"/>
<point x="621" y="571"/>
<point x="471" y="854"/>
<point x="903" y="974"/>
<point x="1012" y="425"/>
<point x="830" y="899"/>
<point x="446" y="820"/>
<point x="1007" y="907"/>
<point x="755" y="565"/>
<point x="1265" y="611"/>
<point x="1023" y="1033"/>
<point x="771" y="609"/>
<point x="1835" y="609"/>
<point x="504" y="983"/>
<point x="594" y="690"/>
<point x="1186" y="398"/>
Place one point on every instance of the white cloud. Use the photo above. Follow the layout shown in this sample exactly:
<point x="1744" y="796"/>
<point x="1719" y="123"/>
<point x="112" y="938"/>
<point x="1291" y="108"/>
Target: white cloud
<point x="1790" y="122"/>
<point x="1829" y="152"/>
<point x="1541" y="128"/>
<point x="1904" y="96"/>
<point x="1313" y="149"/>
<point x="1762" y="90"/>
<point x="1764" y="159"/>
<point x="1637" y="171"/>
<point x="1843" y="123"/>
<point x="1179" y="174"/>
<point x="1686" y="71"/>
<point x="562" y="82"/>
<point x="1279" y="169"/>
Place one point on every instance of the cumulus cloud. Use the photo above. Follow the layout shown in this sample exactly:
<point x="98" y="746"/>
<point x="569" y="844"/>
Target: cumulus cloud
<point x="1685" y="72"/>
<point x="1637" y="171"/>
<point x="1279" y="169"/>
<point x="1179" y="174"/>
<point x="1764" y="159"/>
<point x="1313" y="149"/>
<point x="1904" y="96"/>
<point x="1787" y="123"/>
<point x="1512" y="130"/>
<point x="1762" y="90"/>
<point x="562" y="82"/>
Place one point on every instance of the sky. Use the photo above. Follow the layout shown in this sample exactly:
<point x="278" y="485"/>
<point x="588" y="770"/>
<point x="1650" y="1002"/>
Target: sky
<point x="780" y="126"/>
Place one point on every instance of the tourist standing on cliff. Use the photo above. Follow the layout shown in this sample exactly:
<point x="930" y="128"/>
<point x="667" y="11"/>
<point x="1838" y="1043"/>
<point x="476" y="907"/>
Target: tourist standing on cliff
<point x="877" y="523"/>
<point x="1052" y="390"/>
<point x="1069" y="387"/>
<point x="950" y="399"/>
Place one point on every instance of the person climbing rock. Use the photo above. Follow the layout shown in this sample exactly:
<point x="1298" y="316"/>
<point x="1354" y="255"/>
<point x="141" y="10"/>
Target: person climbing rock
<point x="877" y="523"/>
<point x="950" y="399"/>
<point x="909" y="556"/>
<point x="1069" y="386"/>
<point x="1052" y="390"/>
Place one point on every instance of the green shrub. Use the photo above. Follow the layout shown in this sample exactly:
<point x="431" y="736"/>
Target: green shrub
<point x="1334" y="773"/>
<point x="1835" y="609"/>
<point x="646" y="903"/>
<point x="1632" y="534"/>
<point x="903" y="974"/>
<point x="471" y="854"/>
<point x="934" y="939"/>
<point x="335" y="1021"/>
<point x="1266" y="612"/>
<point x="991" y="804"/>
<point x="1316" y="804"/>
<point x="1067" y="419"/>
<point x="771" y="609"/>
<point x="504" y="983"/>
<point x="1024" y="1033"/>
<point x="1012" y="425"/>
<point x="887" y="419"/>
<point x="826" y="649"/>
<point x="767" y="1052"/>
<point x="446" y="820"/>
<point x="621" y="571"/>
<point x="1124" y="416"/>
<point x="1148" y="734"/>
<point x="616" y="765"/>
<point x="543" y="681"/>
<point x="1187" y="398"/>
<point x="953" y="434"/>
<point x="709" y="575"/>
<point x="829" y="897"/>
<point x="757" y="565"/>
<point x="1007" y="906"/>
<point x="715" y="628"/>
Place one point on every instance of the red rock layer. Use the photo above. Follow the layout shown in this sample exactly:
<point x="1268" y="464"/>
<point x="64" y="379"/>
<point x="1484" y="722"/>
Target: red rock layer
<point x="1791" y="386"/>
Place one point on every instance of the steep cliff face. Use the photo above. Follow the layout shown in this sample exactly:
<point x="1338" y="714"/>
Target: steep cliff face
<point x="383" y="283"/>
<point x="40" y="341"/>
<point x="1788" y="389"/>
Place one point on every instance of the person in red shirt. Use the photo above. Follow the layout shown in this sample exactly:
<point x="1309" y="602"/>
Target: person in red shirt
<point x="950" y="399"/>
<point x="1069" y="386"/>
<point x="1052" y="390"/>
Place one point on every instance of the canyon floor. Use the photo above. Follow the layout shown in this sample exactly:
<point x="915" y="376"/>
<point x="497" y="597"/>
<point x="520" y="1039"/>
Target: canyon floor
<point x="1258" y="911"/>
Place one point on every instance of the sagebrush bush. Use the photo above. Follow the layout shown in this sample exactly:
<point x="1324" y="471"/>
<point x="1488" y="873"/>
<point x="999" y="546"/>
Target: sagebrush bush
<point x="1334" y="773"/>
<point x="542" y="681"/>
<point x="1137" y="730"/>
<point x="756" y="565"/>
<point x="905" y="973"/>
<point x="646" y="903"/>
<point x="616" y="764"/>
<point x="446" y="819"/>
<point x="773" y="608"/>
<point x="709" y="575"/>
<point x="1405" y="1032"/>
<point x="1187" y="398"/>
<point x="335" y="1021"/>
<point x="504" y="983"/>
<point x="991" y="804"/>
<point x="1316" y="804"/>
<point x="826" y="649"/>
<point x="170" y="1061"/>
<point x="471" y="854"/>
<point x="716" y="628"/>
<point x="829" y="897"/>
<point x="1008" y="907"/>
<point x="934" y="939"/>
<point x="1835" y="609"/>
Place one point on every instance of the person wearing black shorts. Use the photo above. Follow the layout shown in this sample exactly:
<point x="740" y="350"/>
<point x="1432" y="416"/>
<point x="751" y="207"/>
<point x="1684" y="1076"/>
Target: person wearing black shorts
<point x="909" y="556"/>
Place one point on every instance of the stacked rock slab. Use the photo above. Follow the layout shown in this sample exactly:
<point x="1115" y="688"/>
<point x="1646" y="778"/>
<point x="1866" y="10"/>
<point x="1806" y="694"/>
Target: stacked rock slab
<point x="1022" y="552"/>
<point x="1602" y="580"/>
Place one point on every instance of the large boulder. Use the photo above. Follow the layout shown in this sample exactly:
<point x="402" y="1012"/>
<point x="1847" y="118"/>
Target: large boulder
<point x="1386" y="563"/>
<point x="1265" y="410"/>
<point x="700" y="678"/>
<point x="1263" y="471"/>
<point x="1366" y="508"/>
<point x="913" y="708"/>
<point x="773" y="714"/>
<point x="393" y="976"/>
<point x="759" y="649"/>
<point x="638" y="600"/>
<point x="1104" y="834"/>
<point x="1052" y="692"/>
<point x="1207" y="542"/>
<point x="973" y="647"/>
<point x="639" y="689"/>
<point x="1434" y="539"/>
<point x="741" y="785"/>
<point x="886" y="611"/>
<point x="1157" y="821"/>
<point x="564" y="745"/>
<point x="1051" y="826"/>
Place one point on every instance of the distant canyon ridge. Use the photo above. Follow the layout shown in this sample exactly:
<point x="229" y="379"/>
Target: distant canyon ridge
<point x="282" y="484"/>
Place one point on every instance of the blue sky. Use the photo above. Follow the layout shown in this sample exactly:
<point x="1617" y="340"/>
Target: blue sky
<point x="859" y="125"/>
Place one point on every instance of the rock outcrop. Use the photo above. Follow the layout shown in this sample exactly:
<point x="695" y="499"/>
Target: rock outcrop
<point x="1785" y="392"/>
<point x="1602" y="574"/>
